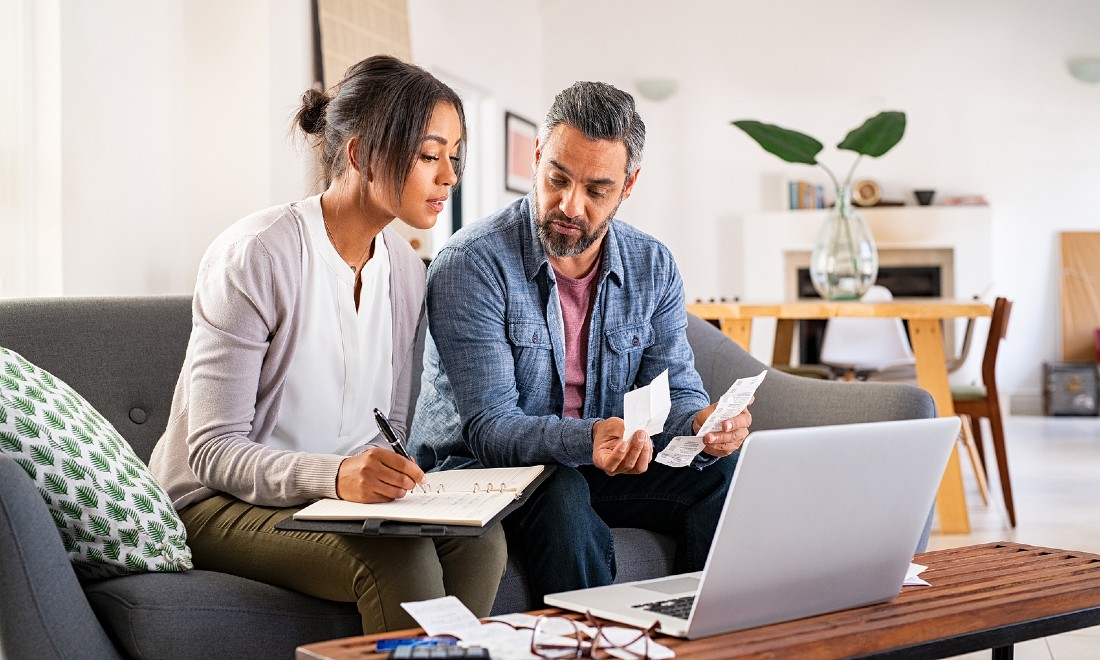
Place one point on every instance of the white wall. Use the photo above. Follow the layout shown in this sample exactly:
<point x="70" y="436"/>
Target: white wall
<point x="174" y="117"/>
<point x="489" y="50"/>
<point x="174" y="124"/>
<point x="991" y="111"/>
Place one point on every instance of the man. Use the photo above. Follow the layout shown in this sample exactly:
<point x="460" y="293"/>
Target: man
<point x="541" y="317"/>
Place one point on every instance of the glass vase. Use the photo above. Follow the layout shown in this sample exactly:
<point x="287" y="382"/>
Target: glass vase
<point x="844" y="261"/>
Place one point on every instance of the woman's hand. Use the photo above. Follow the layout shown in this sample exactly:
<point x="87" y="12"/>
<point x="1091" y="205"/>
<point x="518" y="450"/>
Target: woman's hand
<point x="376" y="475"/>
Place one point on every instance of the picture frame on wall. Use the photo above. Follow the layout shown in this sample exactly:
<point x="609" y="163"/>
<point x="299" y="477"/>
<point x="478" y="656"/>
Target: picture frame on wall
<point x="519" y="153"/>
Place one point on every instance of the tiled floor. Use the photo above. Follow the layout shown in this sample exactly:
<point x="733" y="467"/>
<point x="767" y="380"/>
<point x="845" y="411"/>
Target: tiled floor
<point x="1055" y="467"/>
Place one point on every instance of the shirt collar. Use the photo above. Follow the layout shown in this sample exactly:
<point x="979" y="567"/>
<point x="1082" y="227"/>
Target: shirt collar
<point x="535" y="259"/>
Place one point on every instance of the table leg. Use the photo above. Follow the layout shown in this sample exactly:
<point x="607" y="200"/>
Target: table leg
<point x="784" y="342"/>
<point x="927" y="339"/>
<point x="739" y="330"/>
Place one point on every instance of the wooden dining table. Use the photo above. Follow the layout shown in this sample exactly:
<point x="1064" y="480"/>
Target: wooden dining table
<point x="925" y="317"/>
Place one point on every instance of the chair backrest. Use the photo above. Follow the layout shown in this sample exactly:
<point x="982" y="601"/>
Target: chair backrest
<point x="867" y="344"/>
<point x="998" y="329"/>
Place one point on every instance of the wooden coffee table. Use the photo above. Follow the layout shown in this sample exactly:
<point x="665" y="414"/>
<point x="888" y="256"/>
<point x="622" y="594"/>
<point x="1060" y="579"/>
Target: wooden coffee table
<point x="987" y="596"/>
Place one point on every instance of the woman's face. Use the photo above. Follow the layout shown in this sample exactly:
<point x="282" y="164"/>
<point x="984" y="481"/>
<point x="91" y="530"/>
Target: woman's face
<point x="433" y="172"/>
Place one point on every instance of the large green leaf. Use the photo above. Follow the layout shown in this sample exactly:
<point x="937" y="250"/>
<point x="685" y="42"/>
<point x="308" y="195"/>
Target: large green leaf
<point x="791" y="146"/>
<point x="877" y="135"/>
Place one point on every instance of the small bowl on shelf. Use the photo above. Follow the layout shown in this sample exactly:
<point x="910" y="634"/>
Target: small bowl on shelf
<point x="924" y="197"/>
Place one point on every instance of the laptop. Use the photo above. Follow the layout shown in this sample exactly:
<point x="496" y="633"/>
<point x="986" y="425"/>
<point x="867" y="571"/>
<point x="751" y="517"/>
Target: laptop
<point x="816" y="520"/>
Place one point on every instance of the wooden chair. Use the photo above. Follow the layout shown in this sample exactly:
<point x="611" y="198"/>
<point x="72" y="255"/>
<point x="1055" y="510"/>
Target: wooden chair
<point x="978" y="401"/>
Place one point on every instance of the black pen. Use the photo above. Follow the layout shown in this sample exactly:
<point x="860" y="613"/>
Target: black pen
<point x="387" y="430"/>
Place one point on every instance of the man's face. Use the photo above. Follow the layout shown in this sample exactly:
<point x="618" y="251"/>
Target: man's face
<point x="579" y="184"/>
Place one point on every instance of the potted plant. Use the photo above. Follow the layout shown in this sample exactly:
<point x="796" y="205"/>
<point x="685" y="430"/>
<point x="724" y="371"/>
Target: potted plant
<point x="844" y="261"/>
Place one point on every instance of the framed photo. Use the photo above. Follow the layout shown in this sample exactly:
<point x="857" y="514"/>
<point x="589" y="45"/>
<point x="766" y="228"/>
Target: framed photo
<point x="519" y="153"/>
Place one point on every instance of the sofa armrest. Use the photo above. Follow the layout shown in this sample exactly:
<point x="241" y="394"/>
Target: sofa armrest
<point x="43" y="611"/>
<point x="788" y="401"/>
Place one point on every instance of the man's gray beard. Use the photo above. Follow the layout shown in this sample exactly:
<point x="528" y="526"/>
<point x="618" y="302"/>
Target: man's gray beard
<point x="557" y="245"/>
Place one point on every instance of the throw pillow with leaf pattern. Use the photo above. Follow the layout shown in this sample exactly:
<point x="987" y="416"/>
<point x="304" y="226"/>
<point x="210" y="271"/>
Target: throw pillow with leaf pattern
<point x="113" y="516"/>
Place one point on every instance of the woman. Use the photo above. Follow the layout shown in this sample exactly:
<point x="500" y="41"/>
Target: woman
<point x="304" y="320"/>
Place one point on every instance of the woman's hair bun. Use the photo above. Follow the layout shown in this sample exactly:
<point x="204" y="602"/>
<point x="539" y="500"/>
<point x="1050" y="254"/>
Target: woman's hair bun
<point x="311" y="116"/>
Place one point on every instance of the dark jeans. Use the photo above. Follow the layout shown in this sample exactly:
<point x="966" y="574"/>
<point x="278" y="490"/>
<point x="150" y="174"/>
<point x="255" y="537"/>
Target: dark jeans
<point x="564" y="529"/>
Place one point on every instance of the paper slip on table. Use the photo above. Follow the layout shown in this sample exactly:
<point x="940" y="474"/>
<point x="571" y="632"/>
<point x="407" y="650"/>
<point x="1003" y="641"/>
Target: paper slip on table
<point x="987" y="596"/>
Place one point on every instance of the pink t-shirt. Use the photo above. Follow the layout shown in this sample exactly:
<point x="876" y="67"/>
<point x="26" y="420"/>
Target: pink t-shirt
<point x="576" y="298"/>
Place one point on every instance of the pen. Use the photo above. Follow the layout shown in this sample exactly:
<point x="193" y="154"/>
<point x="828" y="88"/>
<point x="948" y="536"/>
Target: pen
<point x="387" y="430"/>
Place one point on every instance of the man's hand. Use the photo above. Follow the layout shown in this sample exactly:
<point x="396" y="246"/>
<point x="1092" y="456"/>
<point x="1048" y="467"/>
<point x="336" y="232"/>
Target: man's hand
<point x="612" y="455"/>
<point x="731" y="435"/>
<point x="376" y="475"/>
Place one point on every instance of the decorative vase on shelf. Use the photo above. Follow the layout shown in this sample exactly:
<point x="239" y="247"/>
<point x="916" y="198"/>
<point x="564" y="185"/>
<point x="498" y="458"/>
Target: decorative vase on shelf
<point x="844" y="261"/>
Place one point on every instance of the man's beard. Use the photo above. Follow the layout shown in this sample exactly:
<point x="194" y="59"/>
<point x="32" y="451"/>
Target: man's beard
<point x="558" y="245"/>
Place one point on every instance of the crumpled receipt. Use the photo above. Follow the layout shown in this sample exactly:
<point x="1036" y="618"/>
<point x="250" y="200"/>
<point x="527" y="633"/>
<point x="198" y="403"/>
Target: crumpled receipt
<point x="647" y="407"/>
<point x="682" y="450"/>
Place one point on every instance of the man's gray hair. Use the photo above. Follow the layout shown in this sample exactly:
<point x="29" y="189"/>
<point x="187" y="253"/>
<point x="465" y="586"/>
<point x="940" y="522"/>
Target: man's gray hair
<point x="601" y="112"/>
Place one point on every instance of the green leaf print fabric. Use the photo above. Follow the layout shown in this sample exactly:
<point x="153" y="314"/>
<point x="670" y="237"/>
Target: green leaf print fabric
<point x="113" y="516"/>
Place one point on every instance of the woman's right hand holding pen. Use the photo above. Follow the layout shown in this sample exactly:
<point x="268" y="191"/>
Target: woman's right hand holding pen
<point x="376" y="475"/>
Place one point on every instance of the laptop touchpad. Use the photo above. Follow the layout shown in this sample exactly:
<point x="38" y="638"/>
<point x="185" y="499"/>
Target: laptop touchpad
<point x="673" y="586"/>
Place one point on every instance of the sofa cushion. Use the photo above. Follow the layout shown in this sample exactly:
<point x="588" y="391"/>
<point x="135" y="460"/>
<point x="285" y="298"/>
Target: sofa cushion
<point x="204" y="614"/>
<point x="113" y="516"/>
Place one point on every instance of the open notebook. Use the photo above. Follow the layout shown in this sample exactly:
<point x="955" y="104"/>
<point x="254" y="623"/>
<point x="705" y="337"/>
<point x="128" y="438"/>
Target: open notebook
<point x="455" y="497"/>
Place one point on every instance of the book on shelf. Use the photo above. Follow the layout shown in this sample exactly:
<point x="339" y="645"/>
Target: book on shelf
<point x="805" y="195"/>
<point x="475" y="497"/>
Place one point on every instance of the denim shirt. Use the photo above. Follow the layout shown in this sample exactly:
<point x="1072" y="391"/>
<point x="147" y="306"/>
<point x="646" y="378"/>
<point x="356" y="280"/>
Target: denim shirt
<point x="494" y="360"/>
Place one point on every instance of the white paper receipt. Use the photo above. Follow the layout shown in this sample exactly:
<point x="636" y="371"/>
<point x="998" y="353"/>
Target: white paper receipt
<point x="733" y="402"/>
<point x="443" y="616"/>
<point x="680" y="451"/>
<point x="647" y="407"/>
<point x="683" y="449"/>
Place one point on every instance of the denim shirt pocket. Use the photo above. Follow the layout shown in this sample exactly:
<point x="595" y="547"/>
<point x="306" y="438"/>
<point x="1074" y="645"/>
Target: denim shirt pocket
<point x="624" y="356"/>
<point x="533" y="355"/>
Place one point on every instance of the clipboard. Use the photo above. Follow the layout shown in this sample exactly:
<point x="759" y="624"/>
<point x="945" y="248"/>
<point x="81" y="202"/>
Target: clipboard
<point x="397" y="529"/>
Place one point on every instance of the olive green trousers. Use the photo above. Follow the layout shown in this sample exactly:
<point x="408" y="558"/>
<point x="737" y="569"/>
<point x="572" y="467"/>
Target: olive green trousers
<point x="377" y="574"/>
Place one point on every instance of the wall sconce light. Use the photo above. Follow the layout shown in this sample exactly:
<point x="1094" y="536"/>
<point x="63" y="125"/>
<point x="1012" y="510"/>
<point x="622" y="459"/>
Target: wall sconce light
<point x="656" y="89"/>
<point x="1085" y="69"/>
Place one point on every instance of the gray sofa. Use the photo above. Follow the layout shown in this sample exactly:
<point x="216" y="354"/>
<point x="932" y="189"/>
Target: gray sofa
<point x="123" y="355"/>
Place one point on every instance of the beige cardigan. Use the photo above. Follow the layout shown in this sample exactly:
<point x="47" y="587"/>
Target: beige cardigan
<point x="245" y="319"/>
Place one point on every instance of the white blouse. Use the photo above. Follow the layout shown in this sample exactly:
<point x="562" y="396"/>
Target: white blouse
<point x="342" y="368"/>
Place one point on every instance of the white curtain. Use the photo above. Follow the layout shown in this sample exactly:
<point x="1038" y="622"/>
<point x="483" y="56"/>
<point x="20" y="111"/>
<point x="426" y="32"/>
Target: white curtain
<point x="30" y="148"/>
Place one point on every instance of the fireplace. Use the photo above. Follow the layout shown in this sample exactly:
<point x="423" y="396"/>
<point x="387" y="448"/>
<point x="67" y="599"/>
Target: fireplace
<point x="771" y="247"/>
<point x="915" y="281"/>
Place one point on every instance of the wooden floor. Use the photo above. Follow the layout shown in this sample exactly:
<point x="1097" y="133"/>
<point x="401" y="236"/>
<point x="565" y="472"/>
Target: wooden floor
<point x="1055" y="468"/>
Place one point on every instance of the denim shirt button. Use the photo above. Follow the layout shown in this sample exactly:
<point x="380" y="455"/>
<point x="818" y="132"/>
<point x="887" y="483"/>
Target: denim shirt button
<point x="634" y="342"/>
<point x="535" y="338"/>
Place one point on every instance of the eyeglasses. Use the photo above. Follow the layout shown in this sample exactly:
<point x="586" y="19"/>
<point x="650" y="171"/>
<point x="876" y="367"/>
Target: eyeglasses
<point x="560" y="637"/>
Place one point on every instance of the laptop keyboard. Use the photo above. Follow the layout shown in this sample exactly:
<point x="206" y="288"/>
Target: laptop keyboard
<point x="674" y="607"/>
